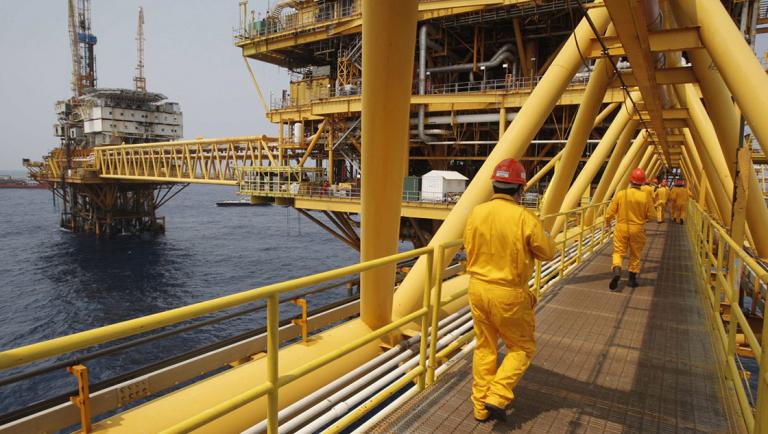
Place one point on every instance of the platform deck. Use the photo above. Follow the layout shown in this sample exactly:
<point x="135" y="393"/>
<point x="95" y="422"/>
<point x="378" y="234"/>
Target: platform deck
<point x="640" y="360"/>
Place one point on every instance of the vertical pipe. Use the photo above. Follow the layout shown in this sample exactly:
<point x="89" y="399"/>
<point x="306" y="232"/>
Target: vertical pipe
<point x="577" y="139"/>
<point x="512" y="144"/>
<point x="390" y="33"/>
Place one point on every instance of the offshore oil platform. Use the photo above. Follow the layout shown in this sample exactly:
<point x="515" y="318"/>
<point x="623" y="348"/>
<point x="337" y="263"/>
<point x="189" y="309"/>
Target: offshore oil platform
<point x="395" y="116"/>
<point x="97" y="117"/>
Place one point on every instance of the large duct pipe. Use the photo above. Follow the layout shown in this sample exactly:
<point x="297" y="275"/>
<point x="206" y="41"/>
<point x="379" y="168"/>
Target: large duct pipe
<point x="512" y="144"/>
<point x="504" y="53"/>
<point x="423" y="44"/>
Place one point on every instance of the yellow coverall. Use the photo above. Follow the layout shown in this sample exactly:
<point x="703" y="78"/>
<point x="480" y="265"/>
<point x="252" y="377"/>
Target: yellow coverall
<point x="632" y="208"/>
<point x="662" y="195"/>
<point x="502" y="239"/>
<point x="648" y="189"/>
<point x="679" y="198"/>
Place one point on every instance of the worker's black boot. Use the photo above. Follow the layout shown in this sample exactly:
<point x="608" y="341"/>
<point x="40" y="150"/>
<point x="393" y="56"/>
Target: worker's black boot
<point x="497" y="413"/>
<point x="615" y="280"/>
<point x="681" y="221"/>
<point x="633" y="280"/>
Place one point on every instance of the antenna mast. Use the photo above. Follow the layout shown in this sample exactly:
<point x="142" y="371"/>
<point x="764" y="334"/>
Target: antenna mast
<point x="139" y="80"/>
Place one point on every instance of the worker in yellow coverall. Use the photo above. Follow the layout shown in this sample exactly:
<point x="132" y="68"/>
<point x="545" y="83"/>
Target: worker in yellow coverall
<point x="649" y="189"/>
<point x="502" y="240"/>
<point x="631" y="208"/>
<point x="679" y="201"/>
<point x="662" y="196"/>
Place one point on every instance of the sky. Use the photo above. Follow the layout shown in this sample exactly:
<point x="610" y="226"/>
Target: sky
<point x="189" y="56"/>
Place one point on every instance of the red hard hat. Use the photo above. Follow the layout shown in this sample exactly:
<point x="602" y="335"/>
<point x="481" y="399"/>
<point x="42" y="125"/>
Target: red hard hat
<point x="679" y="182"/>
<point x="637" y="176"/>
<point x="509" y="171"/>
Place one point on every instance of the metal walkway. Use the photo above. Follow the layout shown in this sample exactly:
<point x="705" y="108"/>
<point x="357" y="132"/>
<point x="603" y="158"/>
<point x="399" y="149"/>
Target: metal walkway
<point x="638" y="361"/>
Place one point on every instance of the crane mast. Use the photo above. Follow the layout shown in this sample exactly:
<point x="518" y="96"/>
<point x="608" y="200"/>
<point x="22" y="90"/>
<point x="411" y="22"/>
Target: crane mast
<point x="82" y="42"/>
<point x="139" y="80"/>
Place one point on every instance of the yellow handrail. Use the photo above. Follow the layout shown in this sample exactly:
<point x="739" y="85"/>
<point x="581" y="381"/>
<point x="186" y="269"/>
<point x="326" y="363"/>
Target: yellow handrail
<point x="424" y="373"/>
<point x="709" y="241"/>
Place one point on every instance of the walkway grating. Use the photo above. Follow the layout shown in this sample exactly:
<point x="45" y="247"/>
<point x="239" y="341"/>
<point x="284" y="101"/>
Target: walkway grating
<point x="638" y="361"/>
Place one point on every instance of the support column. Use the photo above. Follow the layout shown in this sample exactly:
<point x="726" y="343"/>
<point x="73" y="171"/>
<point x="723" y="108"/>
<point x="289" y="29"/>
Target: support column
<point x="722" y="198"/>
<point x="388" y="46"/>
<point x="637" y="162"/>
<point x="622" y="146"/>
<point x="577" y="139"/>
<point x="734" y="59"/>
<point x="595" y="162"/>
<point x="513" y="144"/>
<point x="628" y="163"/>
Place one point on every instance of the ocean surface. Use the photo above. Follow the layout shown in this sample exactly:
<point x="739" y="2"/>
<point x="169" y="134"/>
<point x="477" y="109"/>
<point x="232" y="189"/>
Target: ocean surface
<point x="53" y="283"/>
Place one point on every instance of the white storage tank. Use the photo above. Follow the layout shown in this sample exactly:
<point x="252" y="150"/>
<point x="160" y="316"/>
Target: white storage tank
<point x="442" y="185"/>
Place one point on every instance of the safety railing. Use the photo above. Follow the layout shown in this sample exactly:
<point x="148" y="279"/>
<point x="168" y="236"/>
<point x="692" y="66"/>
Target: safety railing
<point x="724" y="267"/>
<point x="579" y="238"/>
<point x="516" y="84"/>
<point x="292" y="20"/>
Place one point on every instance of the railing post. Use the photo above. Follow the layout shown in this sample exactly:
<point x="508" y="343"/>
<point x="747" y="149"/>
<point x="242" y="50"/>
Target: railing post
<point x="273" y="344"/>
<point x="761" y="407"/>
<point x="432" y="365"/>
<point x="537" y="279"/>
<point x="565" y="245"/>
<point x="425" y="320"/>
<point x="581" y="234"/>
<point x="302" y="323"/>
<point x="83" y="398"/>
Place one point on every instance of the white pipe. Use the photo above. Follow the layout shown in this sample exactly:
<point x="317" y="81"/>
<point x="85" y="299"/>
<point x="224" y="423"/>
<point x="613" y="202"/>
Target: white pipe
<point x="463" y="119"/>
<point x="344" y="407"/>
<point x="292" y="410"/>
<point x="410" y="393"/>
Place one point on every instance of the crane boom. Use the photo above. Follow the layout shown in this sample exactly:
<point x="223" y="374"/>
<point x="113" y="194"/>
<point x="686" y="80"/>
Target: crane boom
<point x="139" y="80"/>
<point x="74" y="45"/>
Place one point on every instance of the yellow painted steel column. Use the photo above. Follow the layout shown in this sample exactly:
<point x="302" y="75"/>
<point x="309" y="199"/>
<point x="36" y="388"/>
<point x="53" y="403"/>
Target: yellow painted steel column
<point x="627" y="163"/>
<point x="719" y="191"/>
<point x="607" y="143"/>
<point x="735" y="61"/>
<point x="513" y="144"/>
<point x="639" y="162"/>
<point x="502" y="120"/>
<point x="577" y="139"/>
<point x="543" y="171"/>
<point x="604" y="114"/>
<point x="622" y="146"/>
<point x="388" y="46"/>
<point x="726" y="121"/>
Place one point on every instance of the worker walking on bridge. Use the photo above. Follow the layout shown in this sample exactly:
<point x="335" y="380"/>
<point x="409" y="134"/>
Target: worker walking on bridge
<point x="631" y="208"/>
<point x="502" y="240"/>
<point x="679" y="198"/>
<point x="662" y="195"/>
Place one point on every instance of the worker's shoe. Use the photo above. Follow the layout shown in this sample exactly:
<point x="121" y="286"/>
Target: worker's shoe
<point x="495" y="412"/>
<point x="681" y="221"/>
<point x="615" y="280"/>
<point x="481" y="416"/>
<point x="633" y="280"/>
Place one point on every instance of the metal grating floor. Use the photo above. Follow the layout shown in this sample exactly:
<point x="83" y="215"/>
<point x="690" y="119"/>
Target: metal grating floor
<point x="638" y="361"/>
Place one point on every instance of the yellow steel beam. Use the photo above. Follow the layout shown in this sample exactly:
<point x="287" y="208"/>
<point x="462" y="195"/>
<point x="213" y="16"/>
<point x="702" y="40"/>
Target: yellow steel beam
<point x="682" y="74"/>
<point x="629" y="18"/>
<point x="421" y="210"/>
<point x="685" y="38"/>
